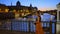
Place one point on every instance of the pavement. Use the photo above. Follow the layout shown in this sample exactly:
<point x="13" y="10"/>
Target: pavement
<point x="14" y="32"/>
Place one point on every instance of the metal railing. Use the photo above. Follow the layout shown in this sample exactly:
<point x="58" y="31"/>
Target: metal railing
<point x="28" y="26"/>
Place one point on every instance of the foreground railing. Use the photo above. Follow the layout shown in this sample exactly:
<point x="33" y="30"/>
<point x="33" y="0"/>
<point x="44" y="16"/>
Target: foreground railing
<point x="28" y="26"/>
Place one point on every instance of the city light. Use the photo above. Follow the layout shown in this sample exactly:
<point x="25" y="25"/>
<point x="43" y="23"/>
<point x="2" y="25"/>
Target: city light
<point x="6" y="10"/>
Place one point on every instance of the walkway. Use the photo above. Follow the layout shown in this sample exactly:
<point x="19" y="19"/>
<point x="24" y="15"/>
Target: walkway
<point x="13" y="32"/>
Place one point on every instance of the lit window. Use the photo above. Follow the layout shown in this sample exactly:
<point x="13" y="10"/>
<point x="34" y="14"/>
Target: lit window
<point x="28" y="13"/>
<point x="14" y="10"/>
<point x="22" y="14"/>
<point x="27" y="10"/>
<point x="18" y="11"/>
<point x="21" y="10"/>
<point x="34" y="9"/>
<point x="6" y="10"/>
<point x="10" y="11"/>
<point x="0" y="10"/>
<point x="16" y="15"/>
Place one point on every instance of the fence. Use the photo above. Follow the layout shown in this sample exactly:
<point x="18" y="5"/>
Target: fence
<point x="28" y="26"/>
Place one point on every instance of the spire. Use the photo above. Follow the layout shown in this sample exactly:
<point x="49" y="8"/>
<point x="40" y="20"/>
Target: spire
<point x="11" y="3"/>
<point x="30" y="5"/>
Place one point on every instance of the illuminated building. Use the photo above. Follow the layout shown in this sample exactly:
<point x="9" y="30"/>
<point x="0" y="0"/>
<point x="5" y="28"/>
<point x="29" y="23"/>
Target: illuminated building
<point x="18" y="8"/>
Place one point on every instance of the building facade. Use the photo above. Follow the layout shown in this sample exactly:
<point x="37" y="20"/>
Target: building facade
<point x="18" y="9"/>
<point x="58" y="19"/>
<point x="58" y="12"/>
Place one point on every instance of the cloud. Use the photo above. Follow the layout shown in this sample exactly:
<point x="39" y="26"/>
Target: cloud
<point x="46" y="8"/>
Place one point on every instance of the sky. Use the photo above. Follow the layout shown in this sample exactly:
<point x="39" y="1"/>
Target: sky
<point x="40" y="4"/>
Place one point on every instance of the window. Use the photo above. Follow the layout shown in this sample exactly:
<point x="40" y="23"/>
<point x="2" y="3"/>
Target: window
<point x="0" y="10"/>
<point x="24" y="10"/>
<point x="21" y="10"/>
<point x="6" y="10"/>
<point x="27" y="10"/>
<point x="16" y="15"/>
<point x="18" y="10"/>
<point x="22" y="14"/>
<point x="34" y="9"/>
<point x="14" y="10"/>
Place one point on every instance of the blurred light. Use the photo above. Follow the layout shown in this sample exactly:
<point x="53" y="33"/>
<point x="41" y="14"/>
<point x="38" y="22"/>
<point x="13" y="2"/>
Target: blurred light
<point x="27" y="11"/>
<point x="6" y="10"/>
<point x="14" y="10"/>
<point x="0" y="10"/>
<point x="16" y="15"/>
<point x="22" y="14"/>
<point x="21" y="10"/>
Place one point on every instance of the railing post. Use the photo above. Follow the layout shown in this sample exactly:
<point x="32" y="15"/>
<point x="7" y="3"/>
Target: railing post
<point x="11" y="26"/>
<point x="29" y="26"/>
<point x="29" y="30"/>
<point x="50" y="27"/>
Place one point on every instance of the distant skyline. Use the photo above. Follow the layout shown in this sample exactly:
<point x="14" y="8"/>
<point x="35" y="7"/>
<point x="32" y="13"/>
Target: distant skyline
<point x="40" y="4"/>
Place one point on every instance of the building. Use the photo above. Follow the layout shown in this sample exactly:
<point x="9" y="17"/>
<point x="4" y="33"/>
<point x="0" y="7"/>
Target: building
<point x="58" y="8"/>
<point x="58" y="19"/>
<point x="18" y="9"/>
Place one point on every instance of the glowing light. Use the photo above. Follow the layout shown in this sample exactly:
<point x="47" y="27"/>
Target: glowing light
<point x="0" y="10"/>
<point x="27" y="10"/>
<point x="14" y="10"/>
<point x="21" y="10"/>
<point x="6" y="10"/>
<point x="22" y="14"/>
<point x="16" y="15"/>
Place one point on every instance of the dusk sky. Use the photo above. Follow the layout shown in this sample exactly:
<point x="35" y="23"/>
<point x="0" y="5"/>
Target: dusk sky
<point x="40" y="4"/>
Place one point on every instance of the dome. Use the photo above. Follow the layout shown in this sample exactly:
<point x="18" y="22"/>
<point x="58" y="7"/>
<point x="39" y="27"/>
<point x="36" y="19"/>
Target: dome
<point x="59" y="4"/>
<point x="18" y="3"/>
